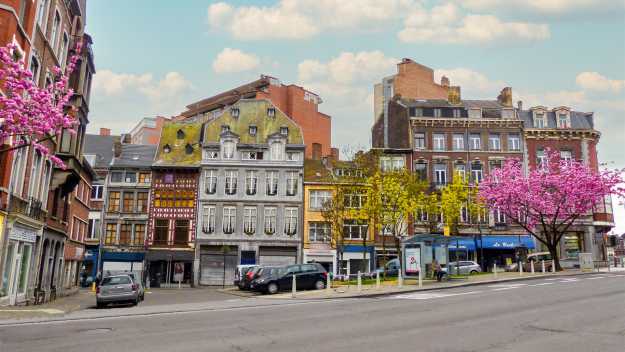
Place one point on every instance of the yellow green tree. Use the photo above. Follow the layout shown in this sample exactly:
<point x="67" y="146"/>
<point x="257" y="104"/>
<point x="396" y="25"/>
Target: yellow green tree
<point x="457" y="200"/>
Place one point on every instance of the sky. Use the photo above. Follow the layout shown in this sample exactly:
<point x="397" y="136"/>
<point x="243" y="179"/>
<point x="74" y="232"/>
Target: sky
<point x="154" y="57"/>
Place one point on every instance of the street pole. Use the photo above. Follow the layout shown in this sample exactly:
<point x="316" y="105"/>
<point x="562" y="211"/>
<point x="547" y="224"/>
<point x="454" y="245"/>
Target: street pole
<point x="542" y="262"/>
<point x="293" y="287"/>
<point x="359" y="282"/>
<point x="532" y="266"/>
<point x="328" y="282"/>
<point x="495" y="270"/>
<point x="420" y="278"/>
<point x="377" y="279"/>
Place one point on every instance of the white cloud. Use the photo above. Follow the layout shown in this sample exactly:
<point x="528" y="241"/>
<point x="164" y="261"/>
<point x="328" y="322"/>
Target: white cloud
<point x="109" y="83"/>
<point x="447" y="24"/>
<point x="548" y="7"/>
<point x="595" y="81"/>
<point x="298" y="19"/>
<point x="234" y="60"/>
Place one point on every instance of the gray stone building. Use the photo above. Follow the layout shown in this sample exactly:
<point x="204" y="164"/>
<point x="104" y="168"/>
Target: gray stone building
<point x="250" y="194"/>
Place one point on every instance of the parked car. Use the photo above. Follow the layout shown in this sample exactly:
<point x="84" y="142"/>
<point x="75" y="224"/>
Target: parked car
<point x="265" y="273"/>
<point x="240" y="272"/>
<point x="537" y="258"/>
<point x="391" y="268"/>
<point x="308" y="276"/>
<point x="465" y="267"/>
<point x="250" y="275"/>
<point x="119" y="289"/>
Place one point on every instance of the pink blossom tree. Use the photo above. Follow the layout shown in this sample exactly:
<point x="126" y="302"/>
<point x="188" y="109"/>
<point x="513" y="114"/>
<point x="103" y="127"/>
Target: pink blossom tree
<point x="29" y="114"/>
<point x="549" y="200"/>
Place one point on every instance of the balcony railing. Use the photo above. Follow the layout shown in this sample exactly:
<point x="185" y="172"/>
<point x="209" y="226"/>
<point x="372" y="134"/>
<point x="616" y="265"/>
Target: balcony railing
<point x="31" y="208"/>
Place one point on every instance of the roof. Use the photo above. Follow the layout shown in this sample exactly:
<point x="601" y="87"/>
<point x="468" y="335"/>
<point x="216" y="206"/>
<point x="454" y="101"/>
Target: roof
<point x="101" y="147"/>
<point x="226" y="98"/>
<point x="579" y="120"/>
<point x="443" y="103"/>
<point x="253" y="112"/>
<point x="176" y="153"/>
<point x="135" y="155"/>
<point x="316" y="171"/>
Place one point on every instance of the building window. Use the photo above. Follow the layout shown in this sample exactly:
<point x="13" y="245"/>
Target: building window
<point x="292" y="156"/>
<point x="284" y="131"/>
<point x="227" y="150"/>
<point x="460" y="170"/>
<point x="145" y="177"/>
<point x="117" y="176"/>
<point x="440" y="174"/>
<point x="42" y="14"/>
<point x="476" y="172"/>
<point x="271" y="112"/>
<point x="514" y="142"/>
<point x="388" y="163"/>
<point x="231" y="182"/>
<point x="93" y="232"/>
<point x="290" y="221"/>
<point x="458" y="141"/>
<point x="566" y="155"/>
<point x="129" y="199"/>
<point x="494" y="165"/>
<point x="253" y="130"/>
<point x="563" y="120"/>
<point x="277" y="151"/>
<point x="131" y="177"/>
<point x="251" y="182"/>
<point x="439" y="141"/>
<point x="494" y="143"/>
<point x="142" y="202"/>
<point x="181" y="232"/>
<point x="161" y="231"/>
<point x="229" y="219"/>
<point x="210" y="179"/>
<point x="541" y="158"/>
<point x="270" y="220"/>
<point x="138" y="238"/>
<point x="319" y="232"/>
<point x="64" y="49"/>
<point x="291" y="183"/>
<point x="500" y="217"/>
<point x="211" y="154"/>
<point x="355" y="229"/>
<point x="419" y="141"/>
<point x="110" y="237"/>
<point x="114" y="200"/>
<point x="272" y="183"/>
<point x="55" y="30"/>
<point x="125" y="233"/>
<point x="234" y="112"/>
<point x="539" y="120"/>
<point x="249" y="220"/>
<point x="208" y="219"/>
<point x="354" y="200"/>
<point x="421" y="171"/>
<point x="34" y="69"/>
<point x="476" y="141"/>
<point x="319" y="198"/>
<point x="180" y="134"/>
<point x="252" y="155"/>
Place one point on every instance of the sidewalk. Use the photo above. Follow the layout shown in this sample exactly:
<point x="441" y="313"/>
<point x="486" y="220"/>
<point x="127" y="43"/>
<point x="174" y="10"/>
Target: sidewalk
<point x="411" y="285"/>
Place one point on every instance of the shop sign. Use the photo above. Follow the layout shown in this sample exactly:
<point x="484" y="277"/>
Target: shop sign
<point x="178" y="271"/>
<point x="22" y="234"/>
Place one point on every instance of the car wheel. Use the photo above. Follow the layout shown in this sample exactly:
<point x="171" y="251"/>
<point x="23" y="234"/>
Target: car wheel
<point x="272" y="288"/>
<point x="473" y="272"/>
<point x="100" y="305"/>
<point x="142" y="297"/>
<point x="320" y="285"/>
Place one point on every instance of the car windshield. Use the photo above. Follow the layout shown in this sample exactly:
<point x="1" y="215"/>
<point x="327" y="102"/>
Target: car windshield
<point x="271" y="271"/>
<point x="116" y="280"/>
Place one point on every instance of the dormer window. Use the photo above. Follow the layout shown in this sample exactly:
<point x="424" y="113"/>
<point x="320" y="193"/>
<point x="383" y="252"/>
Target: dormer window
<point x="166" y="149"/>
<point x="253" y="130"/>
<point x="475" y="113"/>
<point x="507" y="113"/>
<point x="180" y="134"/>
<point x="563" y="120"/>
<point x="188" y="149"/>
<point x="225" y="128"/>
<point x="284" y="131"/>
<point x="227" y="148"/>
<point x="271" y="112"/>
<point x="277" y="151"/>
<point x="539" y="119"/>
<point x="234" y="112"/>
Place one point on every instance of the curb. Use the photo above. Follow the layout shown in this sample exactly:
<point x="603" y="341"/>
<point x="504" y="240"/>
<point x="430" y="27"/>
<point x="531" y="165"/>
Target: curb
<point x="467" y="284"/>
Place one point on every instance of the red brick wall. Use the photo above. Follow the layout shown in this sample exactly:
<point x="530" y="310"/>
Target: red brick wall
<point x="416" y="81"/>
<point x="574" y="145"/>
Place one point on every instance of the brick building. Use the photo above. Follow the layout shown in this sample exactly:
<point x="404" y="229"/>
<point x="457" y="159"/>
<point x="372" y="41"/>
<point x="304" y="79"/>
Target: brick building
<point x="573" y="135"/>
<point x="296" y="102"/>
<point x="148" y="130"/>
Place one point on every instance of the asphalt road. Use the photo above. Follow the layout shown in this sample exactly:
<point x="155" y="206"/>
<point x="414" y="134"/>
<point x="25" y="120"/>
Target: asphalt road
<point x="586" y="313"/>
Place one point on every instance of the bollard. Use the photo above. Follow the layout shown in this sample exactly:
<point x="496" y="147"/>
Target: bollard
<point x="400" y="279"/>
<point x="328" y="282"/>
<point x="93" y="287"/>
<point x="293" y="287"/>
<point x="532" y="266"/>
<point x="495" y="270"/>
<point x="520" y="269"/>
<point x="359" y="282"/>
<point x="543" y="265"/>
<point x="377" y="279"/>
<point x="420" y="279"/>
<point x="553" y="267"/>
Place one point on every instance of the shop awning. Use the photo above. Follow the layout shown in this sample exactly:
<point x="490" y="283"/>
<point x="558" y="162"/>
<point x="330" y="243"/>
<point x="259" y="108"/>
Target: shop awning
<point x="493" y="242"/>
<point x="463" y="244"/>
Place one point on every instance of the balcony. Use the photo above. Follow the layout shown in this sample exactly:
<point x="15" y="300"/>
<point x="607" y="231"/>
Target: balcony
<point x="31" y="208"/>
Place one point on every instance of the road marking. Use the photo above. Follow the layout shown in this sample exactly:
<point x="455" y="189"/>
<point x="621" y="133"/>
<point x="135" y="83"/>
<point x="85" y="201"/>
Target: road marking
<point x="507" y="285"/>
<point x="551" y="279"/>
<point x="422" y="296"/>
<point x="596" y="277"/>
<point x="543" y="284"/>
<point x="568" y="280"/>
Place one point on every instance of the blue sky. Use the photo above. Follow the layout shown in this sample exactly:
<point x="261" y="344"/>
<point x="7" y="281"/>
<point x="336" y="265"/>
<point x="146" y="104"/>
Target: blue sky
<point x="154" y="57"/>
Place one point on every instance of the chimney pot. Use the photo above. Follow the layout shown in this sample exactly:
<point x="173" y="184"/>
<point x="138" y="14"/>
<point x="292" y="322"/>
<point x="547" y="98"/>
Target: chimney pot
<point x="453" y="95"/>
<point x="444" y="81"/>
<point x="105" y="131"/>
<point x="505" y="97"/>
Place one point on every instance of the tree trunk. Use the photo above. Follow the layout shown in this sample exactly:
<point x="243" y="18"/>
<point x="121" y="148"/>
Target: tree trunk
<point x="399" y="256"/>
<point x="553" y="251"/>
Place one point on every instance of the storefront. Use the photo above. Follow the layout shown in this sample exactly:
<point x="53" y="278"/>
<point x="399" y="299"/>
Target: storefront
<point x="90" y="264"/>
<point x="74" y="254"/>
<point x="123" y="262"/>
<point x="169" y="268"/>
<point x="325" y="257"/>
<point x="18" y="259"/>
<point x="356" y="258"/>
<point x="500" y="249"/>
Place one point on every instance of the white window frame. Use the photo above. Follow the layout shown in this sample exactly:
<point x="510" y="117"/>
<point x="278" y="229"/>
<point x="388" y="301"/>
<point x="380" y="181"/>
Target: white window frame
<point x="228" y="149"/>
<point x="494" y="142"/>
<point x="292" y="180"/>
<point x="419" y="141"/>
<point x="319" y="232"/>
<point x="476" y="141"/>
<point x="56" y="29"/>
<point x="272" y="178"/>
<point x="458" y="141"/>
<point x="231" y="180"/>
<point x="514" y="142"/>
<point x="277" y="151"/>
<point x="438" y="142"/>
<point x="210" y="181"/>
<point x="290" y="220"/>
<point x="318" y="198"/>
<point x="229" y="219"/>
<point x="208" y="218"/>
<point x="270" y="215"/>
<point x="440" y="174"/>
<point x="249" y="220"/>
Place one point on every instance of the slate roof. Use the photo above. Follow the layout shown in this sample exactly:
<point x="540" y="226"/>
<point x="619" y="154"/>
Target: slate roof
<point x="177" y="156"/>
<point x="101" y="147"/>
<point x="579" y="120"/>
<point x="135" y="155"/>
<point x="253" y="112"/>
<point x="443" y="103"/>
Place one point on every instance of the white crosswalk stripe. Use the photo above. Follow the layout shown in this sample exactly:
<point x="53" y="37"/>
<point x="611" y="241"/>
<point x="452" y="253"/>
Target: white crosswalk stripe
<point x="430" y="295"/>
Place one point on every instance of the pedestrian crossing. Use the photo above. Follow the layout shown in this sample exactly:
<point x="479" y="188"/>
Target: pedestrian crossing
<point x="498" y="287"/>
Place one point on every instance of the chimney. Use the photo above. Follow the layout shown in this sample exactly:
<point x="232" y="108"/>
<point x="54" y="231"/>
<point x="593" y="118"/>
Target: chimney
<point x="453" y="95"/>
<point x="519" y="105"/>
<point x="117" y="148"/>
<point x="505" y="97"/>
<point x="334" y="154"/>
<point x="105" y="131"/>
<point x="444" y="81"/>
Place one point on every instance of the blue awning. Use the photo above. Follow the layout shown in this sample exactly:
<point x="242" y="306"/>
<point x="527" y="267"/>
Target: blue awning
<point x="123" y="256"/>
<point x="493" y="242"/>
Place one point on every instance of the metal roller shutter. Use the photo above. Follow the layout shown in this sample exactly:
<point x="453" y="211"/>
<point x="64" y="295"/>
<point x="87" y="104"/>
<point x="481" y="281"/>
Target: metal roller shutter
<point x="213" y="267"/>
<point x="277" y="255"/>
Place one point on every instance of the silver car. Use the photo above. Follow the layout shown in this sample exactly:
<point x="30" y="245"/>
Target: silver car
<point x="119" y="289"/>
<point x="465" y="267"/>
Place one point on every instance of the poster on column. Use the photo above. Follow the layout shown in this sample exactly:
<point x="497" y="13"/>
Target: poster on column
<point x="413" y="260"/>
